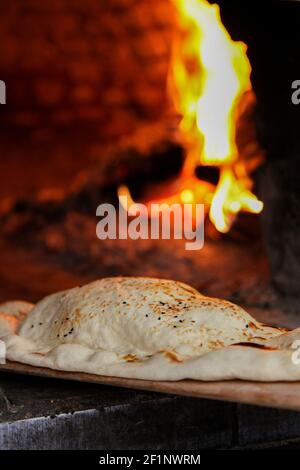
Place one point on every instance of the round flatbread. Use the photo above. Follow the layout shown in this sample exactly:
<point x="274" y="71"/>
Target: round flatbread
<point x="149" y="329"/>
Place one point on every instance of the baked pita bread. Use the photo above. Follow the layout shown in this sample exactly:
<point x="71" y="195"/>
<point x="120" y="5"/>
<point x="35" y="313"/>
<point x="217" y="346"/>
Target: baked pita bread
<point x="147" y="329"/>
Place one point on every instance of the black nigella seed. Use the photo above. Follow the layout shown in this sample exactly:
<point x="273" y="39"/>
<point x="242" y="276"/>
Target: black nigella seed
<point x="181" y="321"/>
<point x="159" y="318"/>
<point x="176" y="316"/>
<point x="162" y="303"/>
<point x="147" y="315"/>
<point x="247" y="326"/>
<point x="124" y="302"/>
<point x="67" y="318"/>
<point x="40" y="323"/>
<point x="32" y="326"/>
<point x="174" y="326"/>
<point x="65" y="335"/>
<point x="57" y="336"/>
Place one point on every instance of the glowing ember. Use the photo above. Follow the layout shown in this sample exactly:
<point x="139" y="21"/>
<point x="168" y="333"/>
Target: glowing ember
<point x="209" y="76"/>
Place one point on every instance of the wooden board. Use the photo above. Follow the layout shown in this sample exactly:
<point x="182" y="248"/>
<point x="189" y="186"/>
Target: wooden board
<point x="276" y="395"/>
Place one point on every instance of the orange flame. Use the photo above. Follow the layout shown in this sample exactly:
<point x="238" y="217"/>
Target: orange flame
<point x="208" y="79"/>
<point x="208" y="94"/>
<point x="209" y="75"/>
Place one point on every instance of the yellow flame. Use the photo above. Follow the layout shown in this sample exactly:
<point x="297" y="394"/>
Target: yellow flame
<point x="209" y="75"/>
<point x="187" y="196"/>
<point x="230" y="198"/>
<point x="123" y="190"/>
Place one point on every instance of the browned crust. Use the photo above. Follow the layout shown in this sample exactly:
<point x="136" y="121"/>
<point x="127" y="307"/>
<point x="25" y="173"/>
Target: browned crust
<point x="172" y="356"/>
<point x="255" y="345"/>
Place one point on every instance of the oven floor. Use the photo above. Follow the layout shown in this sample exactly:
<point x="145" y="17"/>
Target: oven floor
<point x="38" y="413"/>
